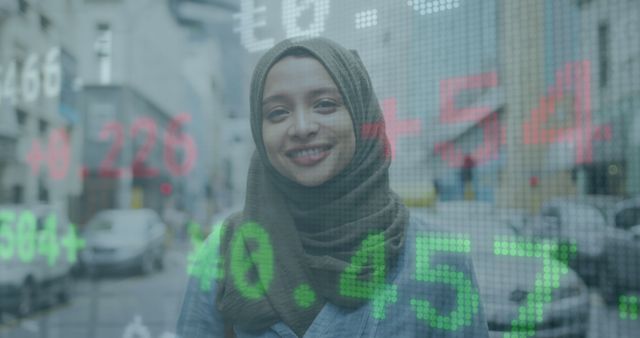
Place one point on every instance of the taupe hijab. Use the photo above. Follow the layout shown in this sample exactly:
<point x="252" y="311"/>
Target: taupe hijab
<point x="314" y="231"/>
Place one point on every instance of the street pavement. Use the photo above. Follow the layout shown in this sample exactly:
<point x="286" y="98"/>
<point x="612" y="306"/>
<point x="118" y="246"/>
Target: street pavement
<point x="148" y="307"/>
<point x="605" y="322"/>
<point x="126" y="306"/>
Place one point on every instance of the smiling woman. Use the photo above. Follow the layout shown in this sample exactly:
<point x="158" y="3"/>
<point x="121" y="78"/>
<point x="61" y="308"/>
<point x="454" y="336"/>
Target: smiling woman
<point x="323" y="247"/>
<point x="307" y="130"/>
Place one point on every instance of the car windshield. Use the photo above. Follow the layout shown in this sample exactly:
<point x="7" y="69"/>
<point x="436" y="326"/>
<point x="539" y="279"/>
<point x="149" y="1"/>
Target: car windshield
<point x="605" y="205"/>
<point x="118" y="224"/>
<point x="578" y="214"/>
<point x="628" y="218"/>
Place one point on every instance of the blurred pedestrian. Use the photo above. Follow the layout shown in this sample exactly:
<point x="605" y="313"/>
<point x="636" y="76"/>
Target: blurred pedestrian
<point x="466" y="177"/>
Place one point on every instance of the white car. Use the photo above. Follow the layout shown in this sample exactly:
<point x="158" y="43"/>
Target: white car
<point x="620" y="268"/>
<point x="507" y="283"/>
<point x="124" y="240"/>
<point x="34" y="269"/>
<point x="581" y="220"/>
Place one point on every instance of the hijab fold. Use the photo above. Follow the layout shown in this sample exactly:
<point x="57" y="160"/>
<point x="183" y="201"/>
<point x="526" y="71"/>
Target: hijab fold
<point x="314" y="231"/>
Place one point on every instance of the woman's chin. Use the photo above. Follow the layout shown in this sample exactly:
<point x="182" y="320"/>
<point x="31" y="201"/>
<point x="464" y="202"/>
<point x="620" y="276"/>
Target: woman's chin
<point x="311" y="181"/>
<point x="311" y="176"/>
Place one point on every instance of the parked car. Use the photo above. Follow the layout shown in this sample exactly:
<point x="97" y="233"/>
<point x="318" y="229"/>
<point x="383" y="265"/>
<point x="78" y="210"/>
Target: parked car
<point x="517" y="219"/>
<point x="581" y="220"/>
<point x="124" y="240"/>
<point x="29" y="276"/>
<point x="506" y="282"/>
<point x="621" y="257"/>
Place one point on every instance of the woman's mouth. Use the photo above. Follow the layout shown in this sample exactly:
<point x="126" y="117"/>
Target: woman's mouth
<point x="309" y="156"/>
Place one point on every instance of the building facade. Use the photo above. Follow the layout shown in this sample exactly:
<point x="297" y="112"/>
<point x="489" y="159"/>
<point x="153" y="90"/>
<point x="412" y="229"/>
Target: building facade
<point x="141" y="51"/>
<point x="608" y="38"/>
<point x="39" y="109"/>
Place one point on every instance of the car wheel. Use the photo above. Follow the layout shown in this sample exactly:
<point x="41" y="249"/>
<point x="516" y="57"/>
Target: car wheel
<point x="27" y="300"/>
<point x="92" y="273"/>
<point x="146" y="264"/>
<point x="608" y="289"/>
<point x="64" y="294"/>
<point x="159" y="263"/>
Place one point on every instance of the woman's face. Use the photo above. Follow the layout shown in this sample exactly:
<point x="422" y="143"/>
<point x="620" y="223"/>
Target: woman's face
<point x="306" y="128"/>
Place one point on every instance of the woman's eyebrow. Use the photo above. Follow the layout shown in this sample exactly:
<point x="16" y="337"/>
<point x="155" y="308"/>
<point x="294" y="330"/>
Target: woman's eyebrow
<point x="273" y="98"/>
<point x="325" y="90"/>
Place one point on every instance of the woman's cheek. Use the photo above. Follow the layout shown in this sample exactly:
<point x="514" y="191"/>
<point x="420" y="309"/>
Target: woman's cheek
<point x="268" y="140"/>
<point x="274" y="139"/>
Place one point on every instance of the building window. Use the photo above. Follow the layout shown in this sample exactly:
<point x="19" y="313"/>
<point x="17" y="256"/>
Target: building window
<point x="23" y="6"/>
<point x="45" y="24"/>
<point x="43" y="127"/>
<point x="103" y="50"/>
<point x="21" y="118"/>
<point x="43" y="193"/>
<point x="603" y="54"/>
<point x="17" y="194"/>
<point x="582" y="3"/>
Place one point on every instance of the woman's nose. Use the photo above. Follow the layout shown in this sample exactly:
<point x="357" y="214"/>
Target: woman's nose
<point x="303" y="125"/>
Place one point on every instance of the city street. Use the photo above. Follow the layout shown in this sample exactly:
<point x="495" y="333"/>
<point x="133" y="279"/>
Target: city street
<point x="131" y="129"/>
<point x="111" y="307"/>
<point x="606" y="322"/>
<point x="106" y="307"/>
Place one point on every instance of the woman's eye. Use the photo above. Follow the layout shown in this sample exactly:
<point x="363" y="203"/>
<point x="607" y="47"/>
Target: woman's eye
<point x="326" y="106"/>
<point x="276" y="115"/>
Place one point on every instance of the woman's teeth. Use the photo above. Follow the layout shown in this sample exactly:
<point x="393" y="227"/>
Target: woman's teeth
<point x="308" y="152"/>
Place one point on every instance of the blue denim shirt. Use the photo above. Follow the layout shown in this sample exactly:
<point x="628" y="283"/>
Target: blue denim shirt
<point x="436" y="296"/>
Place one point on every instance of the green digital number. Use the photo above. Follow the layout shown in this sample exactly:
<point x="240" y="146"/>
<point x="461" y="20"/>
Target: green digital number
<point x="241" y="263"/>
<point x="196" y="235"/>
<point x="204" y="261"/>
<point x="26" y="236"/>
<point x="27" y="241"/>
<point x="467" y="297"/>
<point x="371" y="250"/>
<point x="6" y="234"/>
<point x="48" y="240"/>
<point x="73" y="243"/>
<point x="628" y="307"/>
<point x="554" y="263"/>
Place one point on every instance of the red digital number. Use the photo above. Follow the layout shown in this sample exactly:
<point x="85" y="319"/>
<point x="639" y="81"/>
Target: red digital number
<point x="393" y="127"/>
<point x="56" y="155"/>
<point x="149" y="126"/>
<point x="107" y="167"/>
<point x="35" y="157"/>
<point x="449" y="113"/>
<point x="574" y="82"/>
<point x="59" y="154"/>
<point x="449" y="88"/>
<point x="175" y="139"/>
